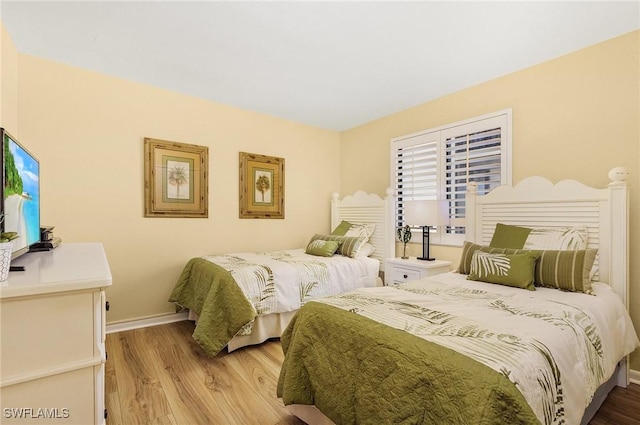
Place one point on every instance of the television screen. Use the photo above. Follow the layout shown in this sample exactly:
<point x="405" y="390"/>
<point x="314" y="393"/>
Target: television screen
<point x="21" y="194"/>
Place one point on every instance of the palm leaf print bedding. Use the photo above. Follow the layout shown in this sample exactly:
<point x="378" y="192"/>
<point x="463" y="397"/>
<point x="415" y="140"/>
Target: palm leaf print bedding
<point x="255" y="276"/>
<point x="223" y="288"/>
<point x="550" y="350"/>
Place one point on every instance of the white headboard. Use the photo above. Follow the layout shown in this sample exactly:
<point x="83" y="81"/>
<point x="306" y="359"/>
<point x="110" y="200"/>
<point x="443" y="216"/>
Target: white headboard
<point x="536" y="202"/>
<point x="366" y="208"/>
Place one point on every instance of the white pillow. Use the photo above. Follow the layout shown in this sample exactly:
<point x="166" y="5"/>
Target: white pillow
<point x="557" y="238"/>
<point x="560" y="238"/>
<point x="365" y="250"/>
<point x="357" y="230"/>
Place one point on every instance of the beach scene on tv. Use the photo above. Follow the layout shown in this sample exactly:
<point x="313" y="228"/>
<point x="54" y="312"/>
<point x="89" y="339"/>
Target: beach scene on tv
<point x="21" y="195"/>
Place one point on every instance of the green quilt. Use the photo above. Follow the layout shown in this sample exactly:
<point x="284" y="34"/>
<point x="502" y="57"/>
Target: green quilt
<point x="358" y="371"/>
<point x="211" y="292"/>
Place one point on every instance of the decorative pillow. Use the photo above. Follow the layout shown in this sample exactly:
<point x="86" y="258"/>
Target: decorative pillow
<point x="514" y="270"/>
<point x="354" y="229"/>
<point x="349" y="246"/>
<point x="469" y="248"/>
<point x="507" y="236"/>
<point x="567" y="270"/>
<point x="322" y="248"/>
<point x="366" y="250"/>
<point x="561" y="238"/>
<point x="342" y="228"/>
<point x="365" y="230"/>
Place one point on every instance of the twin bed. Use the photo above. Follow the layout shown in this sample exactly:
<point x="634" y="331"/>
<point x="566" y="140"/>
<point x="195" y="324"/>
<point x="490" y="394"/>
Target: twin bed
<point x="461" y="348"/>
<point x="448" y="349"/>
<point x="273" y="285"/>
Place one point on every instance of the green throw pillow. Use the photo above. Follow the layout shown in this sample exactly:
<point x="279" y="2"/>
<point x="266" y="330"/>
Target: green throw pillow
<point x="342" y="228"/>
<point x="514" y="270"/>
<point x="566" y="270"/>
<point x="349" y="246"/>
<point x="508" y="236"/>
<point x="322" y="248"/>
<point x="469" y="248"/>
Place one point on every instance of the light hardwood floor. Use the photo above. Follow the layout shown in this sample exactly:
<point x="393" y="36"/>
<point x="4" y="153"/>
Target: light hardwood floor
<point x="160" y="376"/>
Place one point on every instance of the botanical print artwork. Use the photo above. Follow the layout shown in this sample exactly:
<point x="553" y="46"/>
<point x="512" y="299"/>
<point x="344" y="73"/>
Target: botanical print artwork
<point x="523" y="359"/>
<point x="177" y="179"/>
<point x="262" y="194"/>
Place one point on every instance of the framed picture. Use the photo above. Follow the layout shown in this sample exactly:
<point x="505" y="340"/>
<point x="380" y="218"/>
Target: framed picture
<point x="261" y="186"/>
<point x="175" y="179"/>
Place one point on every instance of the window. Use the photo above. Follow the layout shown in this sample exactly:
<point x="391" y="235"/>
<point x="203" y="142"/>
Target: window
<point x="437" y="164"/>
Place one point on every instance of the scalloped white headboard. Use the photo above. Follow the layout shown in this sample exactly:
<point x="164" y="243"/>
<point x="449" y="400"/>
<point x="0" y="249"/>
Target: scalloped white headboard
<point x="366" y="208"/>
<point x="536" y="202"/>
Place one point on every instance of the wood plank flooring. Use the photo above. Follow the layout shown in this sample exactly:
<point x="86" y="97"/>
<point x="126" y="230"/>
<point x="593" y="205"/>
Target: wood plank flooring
<point x="160" y="376"/>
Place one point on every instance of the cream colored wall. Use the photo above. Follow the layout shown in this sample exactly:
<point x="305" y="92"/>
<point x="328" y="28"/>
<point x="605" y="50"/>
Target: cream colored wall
<point x="87" y="129"/>
<point x="575" y="117"/>
<point x="8" y="83"/>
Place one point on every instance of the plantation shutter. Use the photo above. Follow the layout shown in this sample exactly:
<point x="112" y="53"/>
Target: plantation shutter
<point x="438" y="164"/>
<point x="471" y="157"/>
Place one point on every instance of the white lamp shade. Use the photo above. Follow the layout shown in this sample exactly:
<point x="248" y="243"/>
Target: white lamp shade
<point x="425" y="213"/>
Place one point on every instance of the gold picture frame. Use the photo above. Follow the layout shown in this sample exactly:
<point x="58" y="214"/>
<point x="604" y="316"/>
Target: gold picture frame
<point x="175" y="179"/>
<point x="261" y="186"/>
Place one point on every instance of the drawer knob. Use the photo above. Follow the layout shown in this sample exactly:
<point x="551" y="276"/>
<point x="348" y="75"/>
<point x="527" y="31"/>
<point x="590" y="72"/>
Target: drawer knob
<point x="406" y="276"/>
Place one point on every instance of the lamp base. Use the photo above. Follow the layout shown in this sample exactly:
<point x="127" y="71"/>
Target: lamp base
<point x="426" y="259"/>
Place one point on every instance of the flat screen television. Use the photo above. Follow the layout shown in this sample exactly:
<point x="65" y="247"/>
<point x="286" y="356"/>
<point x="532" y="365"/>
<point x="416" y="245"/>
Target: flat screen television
<point x="20" y="194"/>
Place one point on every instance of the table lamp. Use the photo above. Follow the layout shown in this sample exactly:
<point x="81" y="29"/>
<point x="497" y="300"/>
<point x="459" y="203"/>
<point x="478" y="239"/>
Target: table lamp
<point x="424" y="214"/>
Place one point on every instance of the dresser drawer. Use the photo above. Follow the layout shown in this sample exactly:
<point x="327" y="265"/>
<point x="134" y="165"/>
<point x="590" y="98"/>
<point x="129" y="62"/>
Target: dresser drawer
<point x="64" y="399"/>
<point x="402" y="275"/>
<point x="40" y="333"/>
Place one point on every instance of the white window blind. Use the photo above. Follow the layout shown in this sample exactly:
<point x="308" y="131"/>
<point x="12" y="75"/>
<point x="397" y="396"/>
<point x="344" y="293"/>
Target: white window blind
<point x="437" y="164"/>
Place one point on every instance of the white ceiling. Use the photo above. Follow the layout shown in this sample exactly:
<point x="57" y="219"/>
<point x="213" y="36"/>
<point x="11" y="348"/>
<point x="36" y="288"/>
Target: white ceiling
<point x="334" y="64"/>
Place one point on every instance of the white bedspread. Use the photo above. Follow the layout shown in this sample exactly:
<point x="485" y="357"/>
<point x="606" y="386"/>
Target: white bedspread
<point x="557" y="347"/>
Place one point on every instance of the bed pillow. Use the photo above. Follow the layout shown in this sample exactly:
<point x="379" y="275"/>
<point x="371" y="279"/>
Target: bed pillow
<point x="342" y="228"/>
<point x="507" y="236"/>
<point x="322" y="248"/>
<point x="516" y="270"/>
<point x="366" y="250"/>
<point x="566" y="270"/>
<point x="354" y="229"/>
<point x="560" y="238"/>
<point x="349" y="246"/>
<point x="469" y="248"/>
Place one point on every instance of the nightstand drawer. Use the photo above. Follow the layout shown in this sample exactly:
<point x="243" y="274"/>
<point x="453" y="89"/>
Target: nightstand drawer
<point x="402" y="275"/>
<point x="401" y="270"/>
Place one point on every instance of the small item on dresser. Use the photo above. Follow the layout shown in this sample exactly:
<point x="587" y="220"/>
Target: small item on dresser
<point x="46" y="245"/>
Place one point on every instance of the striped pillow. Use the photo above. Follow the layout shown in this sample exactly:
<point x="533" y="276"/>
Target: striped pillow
<point x="567" y="270"/>
<point x="349" y="246"/>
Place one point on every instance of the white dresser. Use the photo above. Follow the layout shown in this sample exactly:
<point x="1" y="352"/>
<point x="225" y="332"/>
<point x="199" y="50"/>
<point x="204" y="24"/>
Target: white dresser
<point x="52" y="339"/>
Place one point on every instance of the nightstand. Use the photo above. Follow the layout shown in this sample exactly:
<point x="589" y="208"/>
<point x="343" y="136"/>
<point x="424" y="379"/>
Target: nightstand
<point x="398" y="270"/>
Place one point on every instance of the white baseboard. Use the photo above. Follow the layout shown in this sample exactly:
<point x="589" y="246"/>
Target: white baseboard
<point x="634" y="376"/>
<point x="144" y="323"/>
